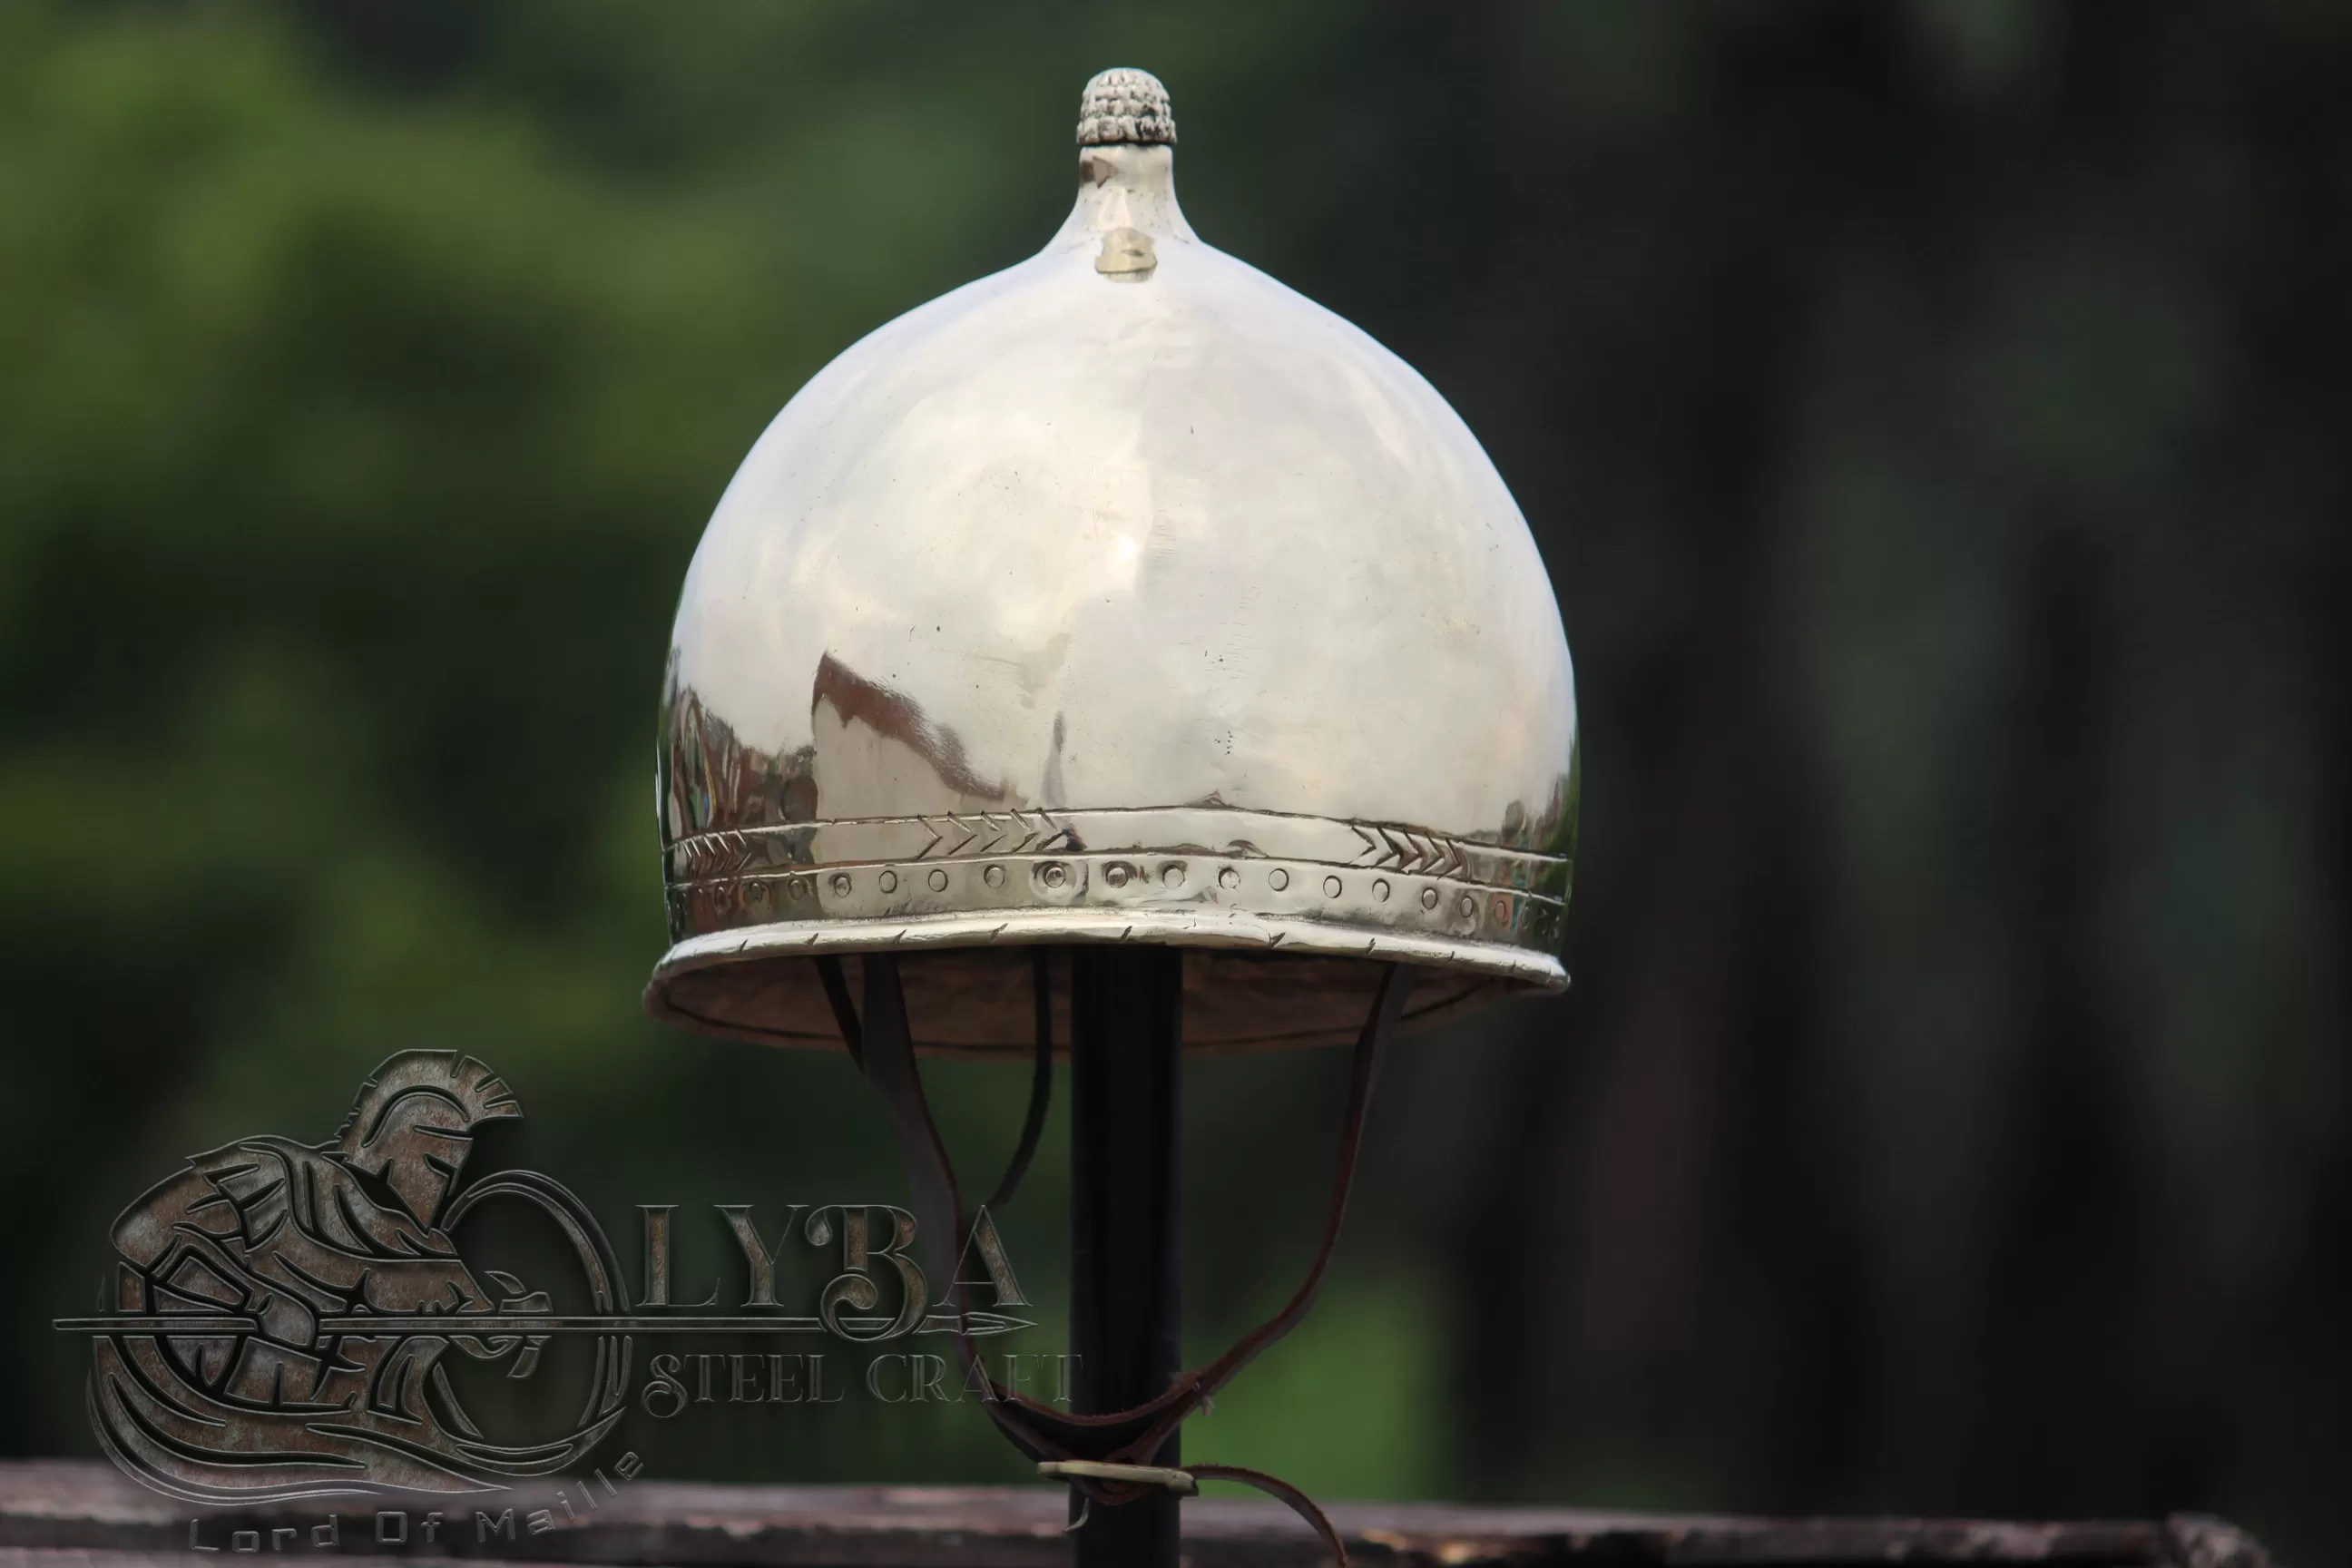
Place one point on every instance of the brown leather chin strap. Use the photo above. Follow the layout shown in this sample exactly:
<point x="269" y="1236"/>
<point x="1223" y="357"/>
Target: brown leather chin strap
<point x="884" y="1049"/>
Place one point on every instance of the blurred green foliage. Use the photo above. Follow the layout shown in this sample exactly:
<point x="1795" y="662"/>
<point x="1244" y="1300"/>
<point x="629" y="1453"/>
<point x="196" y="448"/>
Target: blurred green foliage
<point x="1932" y="413"/>
<point x="355" y="446"/>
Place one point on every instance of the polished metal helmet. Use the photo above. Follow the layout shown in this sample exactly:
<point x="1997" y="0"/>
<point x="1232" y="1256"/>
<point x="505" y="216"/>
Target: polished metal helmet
<point x="1122" y="597"/>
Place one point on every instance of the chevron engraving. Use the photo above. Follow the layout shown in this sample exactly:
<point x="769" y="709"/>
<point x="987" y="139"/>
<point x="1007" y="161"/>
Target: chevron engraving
<point x="1396" y="848"/>
<point x="992" y="832"/>
<point x="725" y="853"/>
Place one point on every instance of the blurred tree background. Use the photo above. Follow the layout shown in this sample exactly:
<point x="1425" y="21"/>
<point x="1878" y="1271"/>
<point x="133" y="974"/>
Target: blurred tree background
<point x="1933" y="413"/>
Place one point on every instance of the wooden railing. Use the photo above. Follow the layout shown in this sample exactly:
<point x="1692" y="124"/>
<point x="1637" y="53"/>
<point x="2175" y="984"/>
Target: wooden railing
<point x="82" y="1514"/>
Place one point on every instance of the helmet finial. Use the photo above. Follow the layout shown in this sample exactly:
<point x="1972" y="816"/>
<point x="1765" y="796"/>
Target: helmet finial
<point x="1124" y="105"/>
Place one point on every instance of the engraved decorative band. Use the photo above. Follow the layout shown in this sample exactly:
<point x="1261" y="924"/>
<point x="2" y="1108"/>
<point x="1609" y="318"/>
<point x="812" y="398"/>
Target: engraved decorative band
<point x="1170" y="830"/>
<point x="1218" y="867"/>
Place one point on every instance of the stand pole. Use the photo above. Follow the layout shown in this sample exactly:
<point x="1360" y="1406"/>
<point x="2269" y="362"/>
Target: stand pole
<point x="1126" y="1037"/>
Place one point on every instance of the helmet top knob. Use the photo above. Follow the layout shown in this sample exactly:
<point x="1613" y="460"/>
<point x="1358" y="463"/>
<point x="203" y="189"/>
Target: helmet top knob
<point x="1124" y="105"/>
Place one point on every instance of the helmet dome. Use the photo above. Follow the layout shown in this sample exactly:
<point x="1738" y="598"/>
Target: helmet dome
<point x="1124" y="595"/>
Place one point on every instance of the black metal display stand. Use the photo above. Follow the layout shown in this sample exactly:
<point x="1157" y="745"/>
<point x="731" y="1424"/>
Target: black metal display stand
<point x="1125" y="1045"/>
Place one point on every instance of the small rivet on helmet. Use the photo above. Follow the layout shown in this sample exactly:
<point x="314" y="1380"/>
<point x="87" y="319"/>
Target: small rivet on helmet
<point x="1331" y="887"/>
<point x="1429" y="898"/>
<point x="1172" y="875"/>
<point x="1469" y="906"/>
<point x="890" y="881"/>
<point x="1501" y="912"/>
<point x="993" y="875"/>
<point x="1380" y="888"/>
<point x="1229" y="878"/>
<point x="1277" y="878"/>
<point x="797" y="888"/>
<point x="1054" y="874"/>
<point x="1116" y="873"/>
<point x="938" y="881"/>
<point x="756" y="893"/>
<point x="841" y="883"/>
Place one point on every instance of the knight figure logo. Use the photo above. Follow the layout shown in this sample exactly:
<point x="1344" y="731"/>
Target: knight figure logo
<point x="282" y="1312"/>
